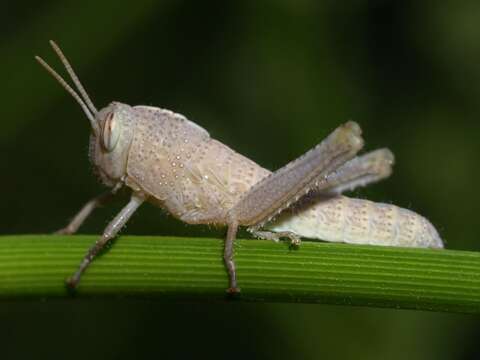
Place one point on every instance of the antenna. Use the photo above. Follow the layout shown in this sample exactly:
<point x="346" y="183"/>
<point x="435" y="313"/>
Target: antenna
<point x="74" y="77"/>
<point x="86" y="104"/>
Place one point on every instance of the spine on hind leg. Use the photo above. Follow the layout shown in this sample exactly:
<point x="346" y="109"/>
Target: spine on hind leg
<point x="357" y="221"/>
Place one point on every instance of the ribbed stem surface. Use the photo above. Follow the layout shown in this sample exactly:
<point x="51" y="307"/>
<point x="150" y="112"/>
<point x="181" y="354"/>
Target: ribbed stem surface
<point x="192" y="268"/>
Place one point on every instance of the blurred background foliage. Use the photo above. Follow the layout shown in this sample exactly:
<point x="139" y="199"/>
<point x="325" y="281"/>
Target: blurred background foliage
<point x="270" y="79"/>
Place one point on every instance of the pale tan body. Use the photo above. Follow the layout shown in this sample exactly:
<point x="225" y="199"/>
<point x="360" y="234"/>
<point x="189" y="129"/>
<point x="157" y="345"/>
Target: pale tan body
<point x="198" y="180"/>
<point x="174" y="163"/>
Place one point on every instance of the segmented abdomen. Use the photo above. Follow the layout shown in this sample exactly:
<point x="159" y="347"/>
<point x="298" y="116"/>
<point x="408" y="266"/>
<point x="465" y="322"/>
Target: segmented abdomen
<point x="358" y="221"/>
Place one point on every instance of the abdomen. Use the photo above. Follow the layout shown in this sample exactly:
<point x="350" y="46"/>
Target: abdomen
<point x="357" y="221"/>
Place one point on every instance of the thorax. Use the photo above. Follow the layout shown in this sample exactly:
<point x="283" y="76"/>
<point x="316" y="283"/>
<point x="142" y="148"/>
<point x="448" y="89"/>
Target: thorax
<point x="193" y="176"/>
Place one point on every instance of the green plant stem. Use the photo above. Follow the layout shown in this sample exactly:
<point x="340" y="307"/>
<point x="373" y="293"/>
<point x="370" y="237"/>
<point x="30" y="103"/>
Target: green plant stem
<point x="192" y="268"/>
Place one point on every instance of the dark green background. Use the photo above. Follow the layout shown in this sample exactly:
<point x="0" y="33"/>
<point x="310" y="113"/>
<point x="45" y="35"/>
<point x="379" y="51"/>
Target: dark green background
<point x="271" y="79"/>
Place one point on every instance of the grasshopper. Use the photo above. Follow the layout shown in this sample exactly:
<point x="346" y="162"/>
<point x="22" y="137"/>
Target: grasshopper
<point x="170" y="161"/>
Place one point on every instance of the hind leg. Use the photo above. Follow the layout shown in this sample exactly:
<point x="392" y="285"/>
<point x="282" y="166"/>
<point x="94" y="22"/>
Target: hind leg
<point x="285" y="186"/>
<point x="276" y="236"/>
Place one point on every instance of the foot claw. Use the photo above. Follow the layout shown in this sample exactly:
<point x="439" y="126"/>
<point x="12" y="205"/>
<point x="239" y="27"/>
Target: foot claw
<point x="295" y="241"/>
<point x="71" y="284"/>
<point x="276" y="236"/>
<point x="233" y="290"/>
<point x="64" y="231"/>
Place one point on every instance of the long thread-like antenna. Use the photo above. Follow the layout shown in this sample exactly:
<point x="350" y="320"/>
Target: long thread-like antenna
<point x="88" y="111"/>
<point x="74" y="77"/>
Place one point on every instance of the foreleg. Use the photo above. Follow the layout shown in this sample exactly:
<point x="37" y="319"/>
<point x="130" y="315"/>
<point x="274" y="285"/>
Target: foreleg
<point x="85" y="212"/>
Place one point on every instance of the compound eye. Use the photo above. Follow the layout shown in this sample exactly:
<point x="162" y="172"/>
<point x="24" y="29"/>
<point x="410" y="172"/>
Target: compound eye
<point x="111" y="132"/>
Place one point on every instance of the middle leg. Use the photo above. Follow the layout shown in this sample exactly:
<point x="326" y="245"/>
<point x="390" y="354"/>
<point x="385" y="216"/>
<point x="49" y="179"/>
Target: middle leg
<point x="109" y="233"/>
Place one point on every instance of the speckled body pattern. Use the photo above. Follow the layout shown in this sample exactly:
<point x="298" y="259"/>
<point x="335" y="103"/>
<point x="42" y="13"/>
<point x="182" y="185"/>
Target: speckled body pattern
<point x="198" y="180"/>
<point x="172" y="162"/>
<point x="194" y="177"/>
<point x="358" y="221"/>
